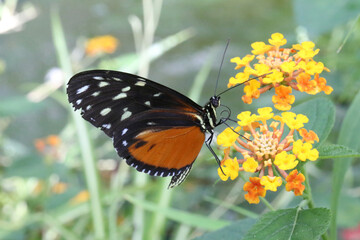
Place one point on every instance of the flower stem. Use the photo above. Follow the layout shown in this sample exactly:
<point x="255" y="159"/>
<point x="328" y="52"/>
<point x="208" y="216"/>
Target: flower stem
<point x="307" y="192"/>
<point x="267" y="204"/>
<point x="308" y="196"/>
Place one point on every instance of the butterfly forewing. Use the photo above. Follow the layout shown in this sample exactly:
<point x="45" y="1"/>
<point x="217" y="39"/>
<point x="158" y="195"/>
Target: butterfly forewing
<point x="156" y="129"/>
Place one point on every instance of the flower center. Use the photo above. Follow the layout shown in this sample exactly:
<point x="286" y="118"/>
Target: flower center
<point x="276" y="58"/>
<point x="265" y="146"/>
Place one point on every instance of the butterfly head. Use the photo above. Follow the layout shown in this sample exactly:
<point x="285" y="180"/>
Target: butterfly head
<point x="215" y="101"/>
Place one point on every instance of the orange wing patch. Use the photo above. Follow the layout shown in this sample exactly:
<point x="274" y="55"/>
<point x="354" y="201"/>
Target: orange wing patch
<point x="171" y="148"/>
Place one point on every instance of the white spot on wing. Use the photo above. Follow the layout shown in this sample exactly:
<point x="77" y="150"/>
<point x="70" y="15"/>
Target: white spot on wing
<point x="157" y="94"/>
<point x="78" y="101"/>
<point x="105" y="111"/>
<point x="124" y="131"/>
<point x="120" y="96"/>
<point x="125" y="89"/>
<point x="140" y="83"/>
<point x="98" y="78"/>
<point x="151" y="123"/>
<point x="117" y="79"/>
<point x="107" y="126"/>
<point x="95" y="94"/>
<point x="82" y="89"/>
<point x="126" y="115"/>
<point x="147" y="103"/>
<point x="88" y="107"/>
<point x="103" y="84"/>
<point x="124" y="143"/>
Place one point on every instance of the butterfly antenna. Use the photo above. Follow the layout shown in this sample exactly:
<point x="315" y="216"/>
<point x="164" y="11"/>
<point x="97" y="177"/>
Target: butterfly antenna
<point x="221" y="64"/>
<point x="243" y="83"/>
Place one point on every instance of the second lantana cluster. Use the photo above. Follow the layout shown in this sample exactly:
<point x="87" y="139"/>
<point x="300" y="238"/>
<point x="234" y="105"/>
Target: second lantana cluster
<point x="267" y="146"/>
<point x="285" y="69"/>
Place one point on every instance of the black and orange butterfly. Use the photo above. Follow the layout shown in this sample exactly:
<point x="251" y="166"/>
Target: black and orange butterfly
<point x="159" y="131"/>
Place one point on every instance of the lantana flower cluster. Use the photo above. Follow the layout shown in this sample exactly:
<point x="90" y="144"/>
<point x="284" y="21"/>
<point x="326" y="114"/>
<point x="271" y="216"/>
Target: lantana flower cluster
<point x="49" y="147"/>
<point x="100" y="45"/>
<point x="285" y="69"/>
<point x="267" y="150"/>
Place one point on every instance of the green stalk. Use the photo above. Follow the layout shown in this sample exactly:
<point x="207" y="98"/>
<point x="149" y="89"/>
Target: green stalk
<point x="307" y="192"/>
<point x="117" y="185"/>
<point x="88" y="158"/>
<point x="267" y="204"/>
<point x="232" y="207"/>
<point x="144" y="38"/>
<point x="57" y="226"/>
<point x="158" y="222"/>
<point x="308" y="195"/>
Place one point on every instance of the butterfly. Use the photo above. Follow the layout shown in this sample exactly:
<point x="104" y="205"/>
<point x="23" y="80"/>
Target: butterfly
<point x="158" y="130"/>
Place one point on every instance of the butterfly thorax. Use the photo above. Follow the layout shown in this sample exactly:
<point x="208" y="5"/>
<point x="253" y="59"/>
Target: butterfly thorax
<point x="209" y="116"/>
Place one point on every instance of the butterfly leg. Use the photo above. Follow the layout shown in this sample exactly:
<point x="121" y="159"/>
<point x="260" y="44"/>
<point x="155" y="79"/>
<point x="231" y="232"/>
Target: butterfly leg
<point x="208" y="143"/>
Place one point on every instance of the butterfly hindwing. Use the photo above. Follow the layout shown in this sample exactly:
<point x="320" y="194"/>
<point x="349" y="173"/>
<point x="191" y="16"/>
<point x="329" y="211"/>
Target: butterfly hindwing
<point x="156" y="129"/>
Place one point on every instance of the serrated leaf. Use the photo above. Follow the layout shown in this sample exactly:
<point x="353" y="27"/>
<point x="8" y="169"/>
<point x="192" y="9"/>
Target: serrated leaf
<point x="294" y="224"/>
<point x="232" y="232"/>
<point x="336" y="151"/>
<point x="321" y="114"/>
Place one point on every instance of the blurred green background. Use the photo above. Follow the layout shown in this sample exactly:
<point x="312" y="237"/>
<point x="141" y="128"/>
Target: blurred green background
<point x="39" y="185"/>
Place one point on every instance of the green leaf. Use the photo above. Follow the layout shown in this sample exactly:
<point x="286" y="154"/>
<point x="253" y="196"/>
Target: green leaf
<point x="336" y="151"/>
<point x="34" y="166"/>
<point x="58" y="200"/>
<point x="191" y="219"/>
<point x="321" y="114"/>
<point x="348" y="136"/>
<point x="322" y="16"/>
<point x="291" y="224"/>
<point x="29" y="166"/>
<point x="18" y="105"/>
<point x="232" y="232"/>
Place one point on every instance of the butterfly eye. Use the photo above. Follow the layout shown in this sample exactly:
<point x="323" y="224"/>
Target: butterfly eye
<point x="215" y="101"/>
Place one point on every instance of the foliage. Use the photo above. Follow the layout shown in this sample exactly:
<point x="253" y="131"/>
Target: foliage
<point x="61" y="179"/>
